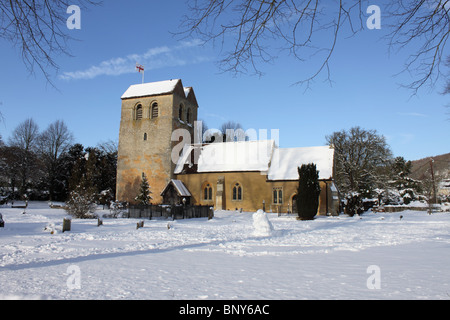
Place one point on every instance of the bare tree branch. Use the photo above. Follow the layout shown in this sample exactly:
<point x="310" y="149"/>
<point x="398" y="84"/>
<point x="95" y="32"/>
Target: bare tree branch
<point x="254" y="26"/>
<point x="257" y="30"/>
<point x="447" y="84"/>
<point x="426" y="23"/>
<point x="38" y="29"/>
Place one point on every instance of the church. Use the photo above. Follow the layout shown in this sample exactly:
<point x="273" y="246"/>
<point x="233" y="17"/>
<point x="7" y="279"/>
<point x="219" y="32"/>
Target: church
<point x="158" y="137"/>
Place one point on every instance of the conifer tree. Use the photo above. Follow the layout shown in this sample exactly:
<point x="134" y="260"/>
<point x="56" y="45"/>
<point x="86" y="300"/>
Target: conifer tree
<point x="308" y="191"/>
<point x="407" y="187"/>
<point x="82" y="196"/>
<point x="144" y="192"/>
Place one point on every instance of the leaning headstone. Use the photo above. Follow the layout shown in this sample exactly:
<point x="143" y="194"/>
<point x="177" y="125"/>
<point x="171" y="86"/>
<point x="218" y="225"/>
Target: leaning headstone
<point x="140" y="224"/>
<point x="2" y="222"/>
<point x="66" y="225"/>
<point x="210" y="213"/>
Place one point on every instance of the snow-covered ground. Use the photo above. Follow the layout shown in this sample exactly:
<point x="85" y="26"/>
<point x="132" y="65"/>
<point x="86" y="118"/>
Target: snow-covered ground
<point x="379" y="256"/>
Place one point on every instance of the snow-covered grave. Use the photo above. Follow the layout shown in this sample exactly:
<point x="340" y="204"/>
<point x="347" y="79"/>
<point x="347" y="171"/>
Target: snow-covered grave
<point x="236" y="255"/>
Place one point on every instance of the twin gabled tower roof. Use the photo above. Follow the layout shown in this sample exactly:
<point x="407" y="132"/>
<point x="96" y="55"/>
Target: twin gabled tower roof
<point x="160" y="88"/>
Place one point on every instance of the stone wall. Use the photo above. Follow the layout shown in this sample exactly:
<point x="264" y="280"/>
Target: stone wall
<point x="255" y="189"/>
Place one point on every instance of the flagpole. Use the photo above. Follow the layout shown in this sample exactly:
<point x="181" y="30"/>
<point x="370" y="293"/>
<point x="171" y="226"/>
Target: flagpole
<point x="140" y="69"/>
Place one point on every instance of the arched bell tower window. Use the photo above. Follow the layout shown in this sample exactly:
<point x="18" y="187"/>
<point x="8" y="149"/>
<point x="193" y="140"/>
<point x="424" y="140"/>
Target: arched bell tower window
<point x="180" y="112"/>
<point x="188" y="115"/>
<point x="138" y="112"/>
<point x="154" y="110"/>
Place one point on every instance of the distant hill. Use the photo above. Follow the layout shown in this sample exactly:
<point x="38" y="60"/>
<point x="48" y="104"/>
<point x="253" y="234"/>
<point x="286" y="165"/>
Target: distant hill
<point x="421" y="168"/>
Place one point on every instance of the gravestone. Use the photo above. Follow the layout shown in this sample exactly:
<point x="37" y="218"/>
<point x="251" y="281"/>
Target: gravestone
<point x="66" y="225"/>
<point x="140" y="224"/>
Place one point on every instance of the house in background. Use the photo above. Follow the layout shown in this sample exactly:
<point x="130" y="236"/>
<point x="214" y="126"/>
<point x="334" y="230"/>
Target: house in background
<point x="243" y="175"/>
<point x="444" y="187"/>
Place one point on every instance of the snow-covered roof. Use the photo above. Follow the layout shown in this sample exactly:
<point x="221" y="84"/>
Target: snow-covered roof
<point x="285" y="162"/>
<point x="444" y="184"/>
<point x="261" y="155"/>
<point x="150" y="89"/>
<point x="230" y="156"/>
<point x="179" y="187"/>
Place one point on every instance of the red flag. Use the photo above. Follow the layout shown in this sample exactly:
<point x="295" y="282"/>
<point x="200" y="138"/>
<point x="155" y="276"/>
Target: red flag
<point x="139" y="68"/>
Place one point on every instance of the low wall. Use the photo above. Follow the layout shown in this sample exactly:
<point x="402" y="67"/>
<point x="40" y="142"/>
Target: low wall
<point x="403" y="208"/>
<point x="167" y="211"/>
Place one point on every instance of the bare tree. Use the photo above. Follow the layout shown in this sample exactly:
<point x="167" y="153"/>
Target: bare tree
<point x="25" y="135"/>
<point x="10" y="168"/>
<point x="109" y="146"/>
<point x="258" y="30"/>
<point x="232" y="131"/>
<point x="53" y="142"/>
<point x="360" y="159"/>
<point x="25" y="138"/>
<point x="202" y="133"/>
<point x="38" y="29"/>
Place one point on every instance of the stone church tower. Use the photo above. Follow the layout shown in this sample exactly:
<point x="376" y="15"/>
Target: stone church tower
<point x="150" y="113"/>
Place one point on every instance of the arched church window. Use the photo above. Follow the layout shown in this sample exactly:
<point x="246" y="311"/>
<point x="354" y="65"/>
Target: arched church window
<point x="138" y="114"/>
<point x="207" y="192"/>
<point x="237" y="192"/>
<point x="154" y="110"/>
<point x="277" y="195"/>
<point x="145" y="136"/>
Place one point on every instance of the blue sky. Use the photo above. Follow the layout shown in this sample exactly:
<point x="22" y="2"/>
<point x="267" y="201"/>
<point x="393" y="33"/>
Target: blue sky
<point x="116" y="35"/>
